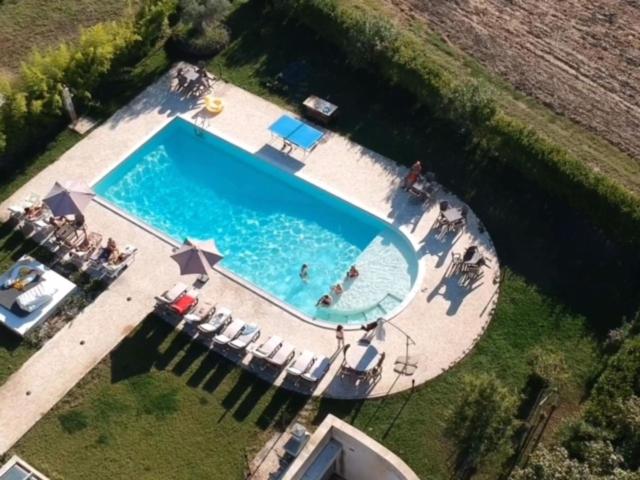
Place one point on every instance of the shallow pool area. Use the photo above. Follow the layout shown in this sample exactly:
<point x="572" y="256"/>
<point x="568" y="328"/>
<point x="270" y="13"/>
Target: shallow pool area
<point x="267" y="222"/>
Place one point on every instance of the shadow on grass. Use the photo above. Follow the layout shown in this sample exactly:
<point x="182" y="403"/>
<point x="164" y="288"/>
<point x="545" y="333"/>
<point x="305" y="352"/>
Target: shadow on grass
<point x="536" y="235"/>
<point x="138" y="353"/>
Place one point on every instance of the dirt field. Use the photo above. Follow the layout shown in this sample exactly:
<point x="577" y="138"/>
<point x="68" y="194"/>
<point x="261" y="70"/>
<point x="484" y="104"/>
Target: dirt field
<point x="29" y="24"/>
<point x="579" y="57"/>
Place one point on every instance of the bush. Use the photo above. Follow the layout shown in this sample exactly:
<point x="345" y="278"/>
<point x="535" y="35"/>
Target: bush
<point x="371" y="40"/>
<point x="34" y="108"/>
<point x="205" y="44"/>
<point x="483" y="420"/>
<point x="200" y="31"/>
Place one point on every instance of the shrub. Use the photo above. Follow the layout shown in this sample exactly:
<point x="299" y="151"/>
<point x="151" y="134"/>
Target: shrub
<point x="550" y="366"/>
<point x="33" y="110"/>
<point x="483" y="419"/>
<point x="200" y="31"/>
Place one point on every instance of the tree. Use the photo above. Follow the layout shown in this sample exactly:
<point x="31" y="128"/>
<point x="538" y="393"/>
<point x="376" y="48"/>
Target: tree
<point x="483" y="419"/>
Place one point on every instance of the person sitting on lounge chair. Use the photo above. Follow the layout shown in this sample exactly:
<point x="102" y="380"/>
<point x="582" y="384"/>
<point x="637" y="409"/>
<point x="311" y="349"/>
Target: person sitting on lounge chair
<point x="110" y="252"/>
<point x="413" y="175"/>
<point x="324" y="301"/>
<point x="33" y="213"/>
<point x="57" y="222"/>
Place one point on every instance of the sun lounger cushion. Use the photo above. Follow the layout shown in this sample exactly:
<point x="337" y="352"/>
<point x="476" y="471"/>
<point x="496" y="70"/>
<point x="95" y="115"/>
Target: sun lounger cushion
<point x="35" y="298"/>
<point x="24" y="273"/>
<point x="249" y="334"/>
<point x="183" y="304"/>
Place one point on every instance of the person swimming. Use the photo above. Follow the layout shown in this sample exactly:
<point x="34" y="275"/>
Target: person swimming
<point x="304" y="272"/>
<point x="337" y="289"/>
<point x="324" y="301"/>
<point x="353" y="272"/>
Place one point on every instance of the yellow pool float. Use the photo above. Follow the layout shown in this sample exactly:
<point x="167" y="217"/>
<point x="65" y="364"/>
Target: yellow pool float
<point x="213" y="104"/>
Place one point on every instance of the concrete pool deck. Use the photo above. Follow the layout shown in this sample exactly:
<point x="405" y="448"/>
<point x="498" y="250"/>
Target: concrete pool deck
<point x="443" y="319"/>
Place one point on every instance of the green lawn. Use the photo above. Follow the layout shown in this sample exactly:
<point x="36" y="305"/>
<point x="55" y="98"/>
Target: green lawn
<point x="29" y="24"/>
<point x="159" y="408"/>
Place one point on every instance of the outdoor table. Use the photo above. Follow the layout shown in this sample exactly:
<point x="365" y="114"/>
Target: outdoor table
<point x="362" y="358"/>
<point x="452" y="215"/>
<point x="319" y="109"/>
<point x="477" y="256"/>
<point x="419" y="190"/>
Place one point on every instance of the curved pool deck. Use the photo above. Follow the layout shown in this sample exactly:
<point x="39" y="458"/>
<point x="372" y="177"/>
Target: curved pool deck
<point x="442" y="318"/>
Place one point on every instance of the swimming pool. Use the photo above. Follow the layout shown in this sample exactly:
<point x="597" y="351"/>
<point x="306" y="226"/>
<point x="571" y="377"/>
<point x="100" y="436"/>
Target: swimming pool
<point x="266" y="221"/>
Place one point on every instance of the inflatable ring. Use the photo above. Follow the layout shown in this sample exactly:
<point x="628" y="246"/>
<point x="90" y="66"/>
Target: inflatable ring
<point x="213" y="104"/>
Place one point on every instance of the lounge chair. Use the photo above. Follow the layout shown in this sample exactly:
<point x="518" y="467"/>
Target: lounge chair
<point x="283" y="356"/>
<point x="301" y="363"/>
<point x="268" y="348"/>
<point x="81" y="254"/>
<point x="203" y="311"/>
<point x="317" y="370"/>
<point x="232" y="331"/>
<point x="112" y="270"/>
<point x="218" y="320"/>
<point x="171" y="295"/>
<point x="250" y="334"/>
<point x="184" y="304"/>
<point x="36" y="297"/>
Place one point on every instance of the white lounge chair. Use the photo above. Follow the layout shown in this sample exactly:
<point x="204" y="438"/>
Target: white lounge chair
<point x="301" y="363"/>
<point x="268" y="348"/>
<point x="283" y="356"/>
<point x="250" y="334"/>
<point x="126" y="258"/>
<point x="203" y="310"/>
<point x="317" y="370"/>
<point x="220" y="319"/>
<point x="36" y="297"/>
<point x="230" y="332"/>
<point x="171" y="295"/>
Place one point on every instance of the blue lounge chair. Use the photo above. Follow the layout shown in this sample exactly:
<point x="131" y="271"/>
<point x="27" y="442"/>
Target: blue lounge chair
<point x="295" y="133"/>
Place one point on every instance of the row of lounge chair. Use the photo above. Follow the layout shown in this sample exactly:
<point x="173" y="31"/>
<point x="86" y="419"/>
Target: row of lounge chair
<point x="182" y="303"/>
<point x="70" y="241"/>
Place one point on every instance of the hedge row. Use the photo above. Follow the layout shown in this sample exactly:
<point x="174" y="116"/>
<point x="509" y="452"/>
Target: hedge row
<point x="33" y="104"/>
<point x="371" y="41"/>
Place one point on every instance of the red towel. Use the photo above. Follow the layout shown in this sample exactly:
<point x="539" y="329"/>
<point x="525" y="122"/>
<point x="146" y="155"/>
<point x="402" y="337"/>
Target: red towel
<point x="182" y="305"/>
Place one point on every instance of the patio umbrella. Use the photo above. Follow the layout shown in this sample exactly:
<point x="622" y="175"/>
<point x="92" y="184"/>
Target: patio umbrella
<point x="68" y="198"/>
<point x="197" y="257"/>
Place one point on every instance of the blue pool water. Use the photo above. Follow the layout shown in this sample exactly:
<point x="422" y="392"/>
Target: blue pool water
<point x="265" y="221"/>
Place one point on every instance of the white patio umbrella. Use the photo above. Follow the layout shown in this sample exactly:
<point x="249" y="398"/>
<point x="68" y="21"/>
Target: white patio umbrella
<point x="197" y="258"/>
<point x="68" y="198"/>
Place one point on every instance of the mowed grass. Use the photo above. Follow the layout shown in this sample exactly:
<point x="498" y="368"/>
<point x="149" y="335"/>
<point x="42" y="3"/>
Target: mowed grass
<point x="159" y="407"/>
<point x="29" y="24"/>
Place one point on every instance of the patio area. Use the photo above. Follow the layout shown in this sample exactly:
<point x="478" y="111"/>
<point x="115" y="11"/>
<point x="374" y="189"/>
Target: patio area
<point x="438" y="327"/>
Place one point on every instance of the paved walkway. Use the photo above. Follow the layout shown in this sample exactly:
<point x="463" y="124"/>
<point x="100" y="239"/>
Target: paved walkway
<point x="443" y="319"/>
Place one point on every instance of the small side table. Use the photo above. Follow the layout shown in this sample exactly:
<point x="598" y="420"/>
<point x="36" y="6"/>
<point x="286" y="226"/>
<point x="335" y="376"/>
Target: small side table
<point x="320" y="110"/>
